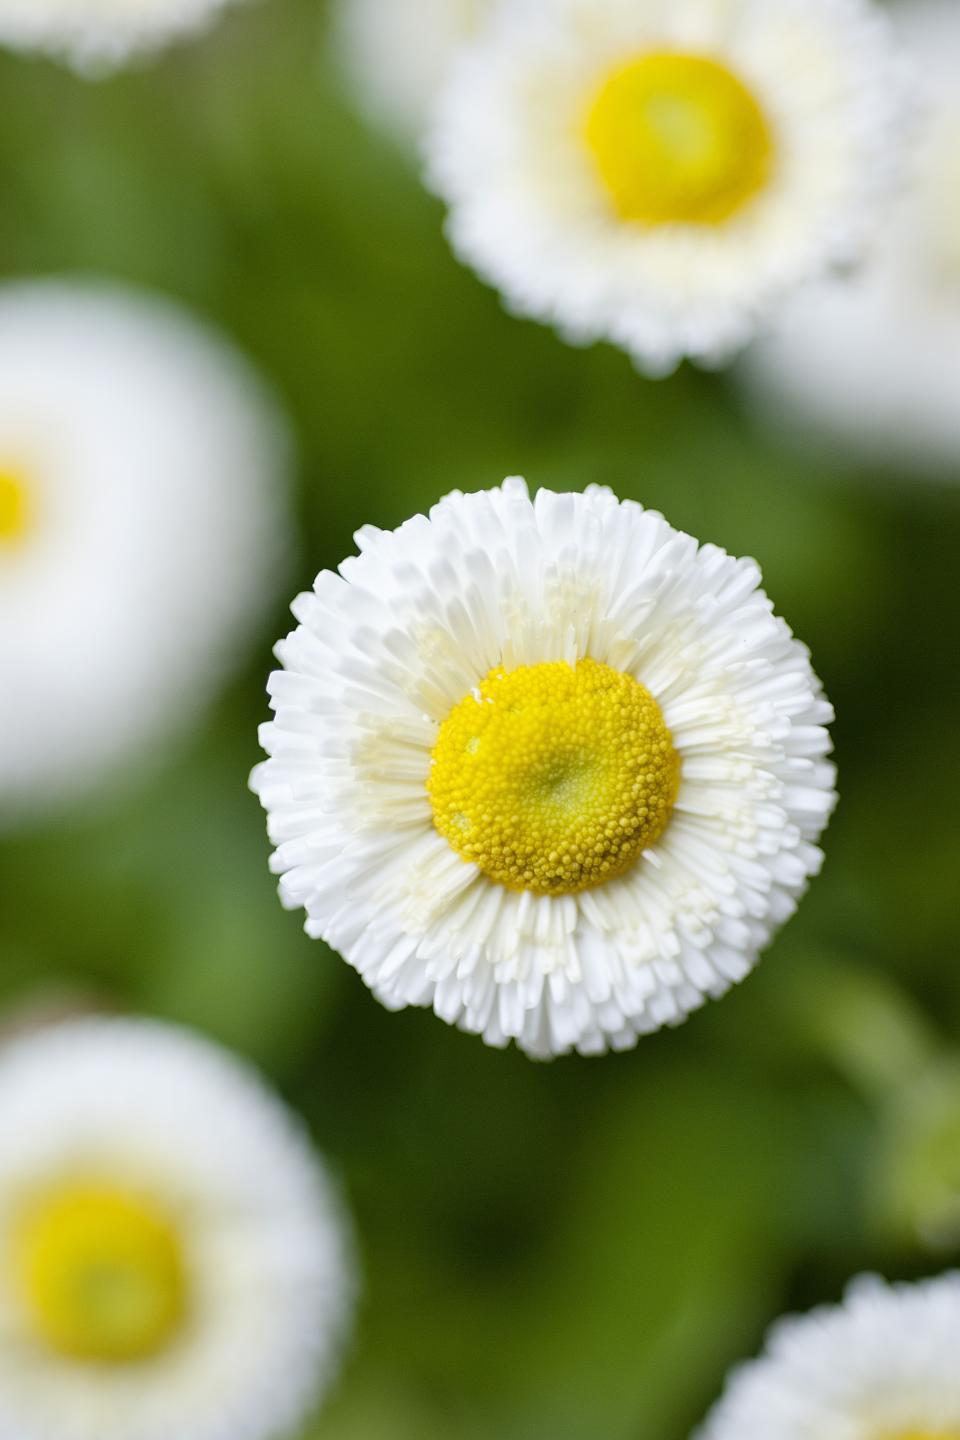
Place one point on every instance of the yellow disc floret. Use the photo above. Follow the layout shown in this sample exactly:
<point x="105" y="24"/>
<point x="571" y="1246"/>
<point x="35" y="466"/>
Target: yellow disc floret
<point x="678" y="139"/>
<point x="100" y="1272"/>
<point x="552" y="778"/>
<point x="14" y="507"/>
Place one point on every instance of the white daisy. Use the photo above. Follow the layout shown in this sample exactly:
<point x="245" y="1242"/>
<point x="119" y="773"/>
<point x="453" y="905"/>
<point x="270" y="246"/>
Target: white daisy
<point x="398" y="53"/>
<point x="660" y="173"/>
<point x="881" y="1366"/>
<point x="96" y="36"/>
<point x="875" y="362"/>
<point x="173" y="1262"/>
<point x="551" y="767"/>
<point x="143" y="527"/>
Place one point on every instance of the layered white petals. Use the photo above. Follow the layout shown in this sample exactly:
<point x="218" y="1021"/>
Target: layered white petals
<point x="529" y="212"/>
<point x="173" y="1117"/>
<point x="383" y="652"/>
<point x="155" y="468"/>
<point x="874" y="363"/>
<point x="95" y="36"/>
<point x="398" y="53"/>
<point x="880" y="1366"/>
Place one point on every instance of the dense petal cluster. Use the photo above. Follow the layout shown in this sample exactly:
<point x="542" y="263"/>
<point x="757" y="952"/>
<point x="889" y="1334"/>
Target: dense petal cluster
<point x="387" y="649"/>
<point x="741" y="150"/>
<point x="144" y="527"/>
<point x="881" y="1366"/>
<point x="173" y="1261"/>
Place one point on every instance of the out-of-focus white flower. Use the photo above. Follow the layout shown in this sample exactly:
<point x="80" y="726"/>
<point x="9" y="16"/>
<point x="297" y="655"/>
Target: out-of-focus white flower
<point x="96" y="36"/>
<point x="551" y="767"/>
<point x="398" y="54"/>
<point x="881" y="1366"/>
<point x="661" y="173"/>
<point x="174" y="1263"/>
<point x="875" y="362"/>
<point x="143" y="528"/>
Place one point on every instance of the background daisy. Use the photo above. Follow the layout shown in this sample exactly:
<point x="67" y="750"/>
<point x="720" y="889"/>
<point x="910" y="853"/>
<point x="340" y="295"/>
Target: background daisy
<point x="549" y="767"/>
<point x="99" y="35"/>
<point x="881" y="1366"/>
<point x="661" y="174"/>
<point x="398" y="53"/>
<point x="874" y="362"/>
<point x="173" y="1259"/>
<point x="143" y="526"/>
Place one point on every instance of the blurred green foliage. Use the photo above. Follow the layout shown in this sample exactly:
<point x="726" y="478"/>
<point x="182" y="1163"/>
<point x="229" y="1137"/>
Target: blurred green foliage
<point x="558" y="1251"/>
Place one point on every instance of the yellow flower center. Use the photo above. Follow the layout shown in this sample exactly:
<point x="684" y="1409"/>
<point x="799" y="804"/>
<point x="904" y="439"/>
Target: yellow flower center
<point x="15" y="514"/>
<point x="678" y="139"/>
<point x="554" y="779"/>
<point x="101" y="1273"/>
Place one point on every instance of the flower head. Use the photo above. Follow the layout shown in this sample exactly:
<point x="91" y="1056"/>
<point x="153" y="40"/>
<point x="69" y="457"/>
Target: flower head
<point x="143" y="527"/>
<point x="661" y="173"/>
<point x="874" y="362"/>
<point x="172" y="1259"/>
<point x="550" y="767"/>
<point x="96" y="36"/>
<point x="881" y="1366"/>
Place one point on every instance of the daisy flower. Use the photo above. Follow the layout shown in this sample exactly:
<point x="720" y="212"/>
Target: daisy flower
<point x="550" y="767"/>
<point x="874" y="363"/>
<point x="397" y="54"/>
<point x="661" y="173"/>
<point x="173" y="1258"/>
<point x="881" y="1366"/>
<point x="143" y="527"/>
<point x="96" y="36"/>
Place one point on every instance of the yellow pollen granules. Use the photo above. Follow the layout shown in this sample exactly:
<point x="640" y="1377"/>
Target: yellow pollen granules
<point x="678" y="139"/>
<point x="14" y="507"/>
<point x="554" y="779"/>
<point x="926" y="1435"/>
<point x="100" y="1272"/>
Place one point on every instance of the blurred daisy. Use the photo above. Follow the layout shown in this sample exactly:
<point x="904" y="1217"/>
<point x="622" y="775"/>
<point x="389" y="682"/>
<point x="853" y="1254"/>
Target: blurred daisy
<point x="142" y="528"/>
<point x="875" y="362"/>
<point x="99" y="35"/>
<point x="173" y="1261"/>
<point x="660" y="173"/>
<point x="550" y="767"/>
<point x="398" y="54"/>
<point x="881" y="1366"/>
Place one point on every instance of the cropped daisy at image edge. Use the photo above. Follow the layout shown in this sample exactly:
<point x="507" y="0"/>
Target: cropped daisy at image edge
<point x="880" y="1366"/>
<point x="174" y="1261"/>
<point x="96" y="37"/>
<point x="549" y="767"/>
<point x="396" y="55"/>
<point x="145" y="526"/>
<point x="872" y="362"/>
<point x="665" y="175"/>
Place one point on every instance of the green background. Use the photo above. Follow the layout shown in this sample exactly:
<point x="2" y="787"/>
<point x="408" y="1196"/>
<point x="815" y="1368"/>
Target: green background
<point x="550" y="1252"/>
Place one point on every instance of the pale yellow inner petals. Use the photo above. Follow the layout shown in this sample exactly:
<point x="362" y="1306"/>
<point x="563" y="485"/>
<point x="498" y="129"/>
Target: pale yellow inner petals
<point x="941" y="205"/>
<point x="678" y="139"/>
<point x="924" y="1435"/>
<point x="100" y="1272"/>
